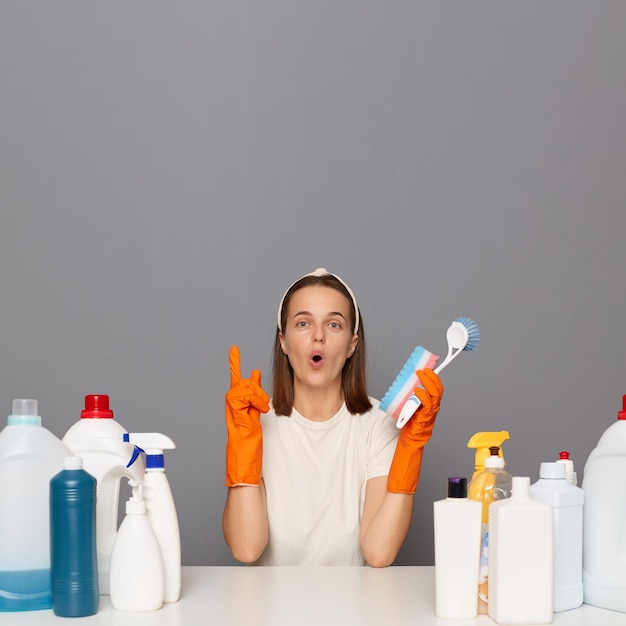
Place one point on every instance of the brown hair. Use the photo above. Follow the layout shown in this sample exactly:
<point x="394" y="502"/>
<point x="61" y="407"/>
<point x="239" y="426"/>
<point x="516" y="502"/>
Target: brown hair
<point x="354" y="373"/>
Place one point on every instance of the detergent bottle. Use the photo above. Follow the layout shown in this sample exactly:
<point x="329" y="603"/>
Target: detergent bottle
<point x="137" y="578"/>
<point x="566" y="500"/>
<point x="98" y="438"/>
<point x="521" y="558"/>
<point x="73" y="567"/>
<point x="30" y="455"/>
<point x="160" y="508"/>
<point x="456" y="522"/>
<point x="604" y="519"/>
<point x="486" y="487"/>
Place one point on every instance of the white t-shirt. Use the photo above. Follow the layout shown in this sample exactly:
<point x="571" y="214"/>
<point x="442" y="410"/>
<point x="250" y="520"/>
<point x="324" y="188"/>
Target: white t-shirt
<point x="315" y="475"/>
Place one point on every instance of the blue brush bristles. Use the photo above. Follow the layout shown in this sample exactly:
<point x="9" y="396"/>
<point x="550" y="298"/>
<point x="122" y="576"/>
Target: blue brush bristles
<point x="473" y="332"/>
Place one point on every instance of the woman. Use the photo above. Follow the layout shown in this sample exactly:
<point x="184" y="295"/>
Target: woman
<point x="323" y="476"/>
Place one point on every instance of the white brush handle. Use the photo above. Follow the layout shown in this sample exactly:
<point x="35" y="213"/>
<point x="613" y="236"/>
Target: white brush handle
<point x="413" y="403"/>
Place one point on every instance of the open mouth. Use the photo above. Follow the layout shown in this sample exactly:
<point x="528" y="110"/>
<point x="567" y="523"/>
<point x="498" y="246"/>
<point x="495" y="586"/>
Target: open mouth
<point x="317" y="358"/>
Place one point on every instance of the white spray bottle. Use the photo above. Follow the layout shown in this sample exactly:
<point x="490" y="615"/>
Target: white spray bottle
<point x="137" y="578"/>
<point x="160" y="507"/>
<point x="97" y="438"/>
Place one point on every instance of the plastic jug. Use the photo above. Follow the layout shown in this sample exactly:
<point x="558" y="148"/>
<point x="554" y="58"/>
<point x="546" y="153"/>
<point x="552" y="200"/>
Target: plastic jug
<point x="98" y="438"/>
<point x="604" y="519"/>
<point x="30" y="455"/>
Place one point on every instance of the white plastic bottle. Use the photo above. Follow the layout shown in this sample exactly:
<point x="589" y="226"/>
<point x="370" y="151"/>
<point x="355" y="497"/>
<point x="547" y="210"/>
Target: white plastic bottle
<point x="98" y="439"/>
<point x="160" y="507"/>
<point x="566" y="501"/>
<point x="521" y="558"/>
<point x="30" y="455"/>
<point x="137" y="579"/>
<point x="604" y="519"/>
<point x="457" y="522"/>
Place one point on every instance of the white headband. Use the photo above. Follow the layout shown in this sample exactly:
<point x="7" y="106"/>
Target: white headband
<point x="321" y="271"/>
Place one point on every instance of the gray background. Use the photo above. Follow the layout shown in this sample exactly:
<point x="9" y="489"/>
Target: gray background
<point x="167" y="169"/>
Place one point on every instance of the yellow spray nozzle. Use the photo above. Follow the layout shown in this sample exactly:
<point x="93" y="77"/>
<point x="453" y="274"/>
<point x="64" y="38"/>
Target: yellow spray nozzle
<point x="482" y="442"/>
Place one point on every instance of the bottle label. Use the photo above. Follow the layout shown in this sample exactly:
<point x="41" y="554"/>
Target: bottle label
<point x="483" y="572"/>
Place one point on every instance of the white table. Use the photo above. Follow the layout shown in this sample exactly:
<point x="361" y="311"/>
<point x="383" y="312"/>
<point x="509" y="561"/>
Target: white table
<point x="299" y="596"/>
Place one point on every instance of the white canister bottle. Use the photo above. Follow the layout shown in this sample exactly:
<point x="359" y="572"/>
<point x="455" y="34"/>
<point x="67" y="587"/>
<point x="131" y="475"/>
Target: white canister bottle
<point x="136" y="577"/>
<point x="521" y="558"/>
<point x="566" y="501"/>
<point x="457" y="522"/>
<point x="98" y="438"/>
<point x="604" y="519"/>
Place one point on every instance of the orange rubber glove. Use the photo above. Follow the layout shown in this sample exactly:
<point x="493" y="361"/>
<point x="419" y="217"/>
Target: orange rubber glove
<point x="245" y="401"/>
<point x="407" y="461"/>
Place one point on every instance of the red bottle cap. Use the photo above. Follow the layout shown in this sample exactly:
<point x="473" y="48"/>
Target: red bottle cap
<point x="564" y="455"/>
<point x="96" y="406"/>
<point x="622" y="414"/>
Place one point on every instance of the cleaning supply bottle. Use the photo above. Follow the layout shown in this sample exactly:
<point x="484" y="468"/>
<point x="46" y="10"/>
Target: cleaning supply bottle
<point x="73" y="566"/>
<point x="160" y="507"/>
<point x="97" y="438"/>
<point x="570" y="472"/>
<point x="521" y="558"/>
<point x="566" y="501"/>
<point x="604" y="519"/>
<point x="457" y="548"/>
<point x="30" y="455"/>
<point x="488" y="486"/>
<point x="137" y="578"/>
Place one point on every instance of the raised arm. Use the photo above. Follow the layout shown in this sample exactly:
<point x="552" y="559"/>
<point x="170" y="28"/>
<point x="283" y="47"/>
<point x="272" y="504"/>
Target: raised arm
<point x="389" y="501"/>
<point x="245" y="513"/>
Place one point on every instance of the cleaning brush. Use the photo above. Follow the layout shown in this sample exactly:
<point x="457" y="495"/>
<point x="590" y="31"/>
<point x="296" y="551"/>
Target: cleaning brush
<point x="400" y="400"/>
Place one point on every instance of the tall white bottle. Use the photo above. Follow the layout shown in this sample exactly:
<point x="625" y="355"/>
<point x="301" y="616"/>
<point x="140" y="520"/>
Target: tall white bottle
<point x="566" y="500"/>
<point x="604" y="519"/>
<point x="137" y="579"/>
<point x="98" y="438"/>
<point x="457" y="523"/>
<point x="521" y="558"/>
<point x="160" y="507"/>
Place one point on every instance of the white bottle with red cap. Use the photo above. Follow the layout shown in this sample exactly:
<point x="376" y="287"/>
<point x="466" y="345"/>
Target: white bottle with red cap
<point x="98" y="439"/>
<point x="604" y="519"/>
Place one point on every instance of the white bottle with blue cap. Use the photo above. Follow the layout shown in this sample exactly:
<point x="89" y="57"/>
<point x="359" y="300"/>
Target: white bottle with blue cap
<point x="160" y="507"/>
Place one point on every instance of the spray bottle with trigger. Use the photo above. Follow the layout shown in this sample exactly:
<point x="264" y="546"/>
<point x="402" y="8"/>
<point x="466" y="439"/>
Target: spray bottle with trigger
<point x="160" y="508"/>
<point x="490" y="482"/>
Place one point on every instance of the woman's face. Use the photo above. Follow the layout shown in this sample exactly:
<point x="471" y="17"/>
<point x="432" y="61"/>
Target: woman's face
<point x="317" y="337"/>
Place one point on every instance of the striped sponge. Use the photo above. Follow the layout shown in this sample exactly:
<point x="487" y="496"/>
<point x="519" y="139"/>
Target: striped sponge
<point x="403" y="386"/>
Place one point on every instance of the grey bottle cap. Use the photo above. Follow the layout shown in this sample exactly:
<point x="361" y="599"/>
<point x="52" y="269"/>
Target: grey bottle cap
<point x="552" y="470"/>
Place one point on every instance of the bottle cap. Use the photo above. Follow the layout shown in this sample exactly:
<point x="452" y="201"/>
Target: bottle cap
<point x="495" y="460"/>
<point x="135" y="507"/>
<point x="622" y="414"/>
<point x="73" y="462"/>
<point x="24" y="412"/>
<point x="96" y="406"/>
<point x="552" y="471"/>
<point x="457" y="487"/>
<point x="520" y="487"/>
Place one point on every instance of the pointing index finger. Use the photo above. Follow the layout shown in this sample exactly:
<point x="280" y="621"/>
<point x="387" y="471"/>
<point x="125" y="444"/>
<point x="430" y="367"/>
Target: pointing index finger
<point x="235" y="366"/>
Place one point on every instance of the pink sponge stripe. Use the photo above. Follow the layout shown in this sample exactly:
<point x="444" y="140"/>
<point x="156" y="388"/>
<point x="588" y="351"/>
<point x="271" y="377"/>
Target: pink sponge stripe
<point x="393" y="406"/>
